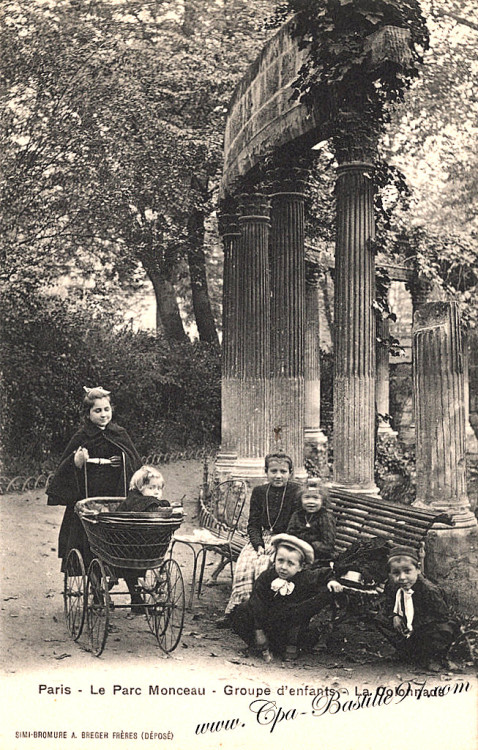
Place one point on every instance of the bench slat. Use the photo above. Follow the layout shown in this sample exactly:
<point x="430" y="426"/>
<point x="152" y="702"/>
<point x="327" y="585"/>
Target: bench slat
<point x="358" y="517"/>
<point x="395" y="513"/>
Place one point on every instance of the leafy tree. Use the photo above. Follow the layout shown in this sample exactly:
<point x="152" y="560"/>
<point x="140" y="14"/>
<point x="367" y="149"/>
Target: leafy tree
<point x="111" y="132"/>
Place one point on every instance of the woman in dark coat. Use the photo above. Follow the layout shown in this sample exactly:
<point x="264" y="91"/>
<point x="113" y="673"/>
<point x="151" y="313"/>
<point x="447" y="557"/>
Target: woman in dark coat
<point x="98" y="438"/>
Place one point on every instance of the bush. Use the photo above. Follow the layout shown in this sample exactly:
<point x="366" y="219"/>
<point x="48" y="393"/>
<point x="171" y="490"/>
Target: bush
<point x="167" y="397"/>
<point x="395" y="474"/>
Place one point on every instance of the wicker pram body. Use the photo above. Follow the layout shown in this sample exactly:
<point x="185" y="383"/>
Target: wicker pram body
<point x="137" y="541"/>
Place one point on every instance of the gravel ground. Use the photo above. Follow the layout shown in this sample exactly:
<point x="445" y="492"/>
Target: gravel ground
<point x="37" y="649"/>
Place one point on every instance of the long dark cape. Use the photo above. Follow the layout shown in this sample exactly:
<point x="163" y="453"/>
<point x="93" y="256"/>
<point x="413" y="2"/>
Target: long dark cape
<point x="67" y="484"/>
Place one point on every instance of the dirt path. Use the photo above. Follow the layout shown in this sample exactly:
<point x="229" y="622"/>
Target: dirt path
<point x="35" y="640"/>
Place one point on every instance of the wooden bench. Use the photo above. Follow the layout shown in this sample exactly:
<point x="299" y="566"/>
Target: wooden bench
<point x="358" y="518"/>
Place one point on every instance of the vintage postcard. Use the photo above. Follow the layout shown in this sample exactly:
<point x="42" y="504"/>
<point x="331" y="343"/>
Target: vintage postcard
<point x="115" y="123"/>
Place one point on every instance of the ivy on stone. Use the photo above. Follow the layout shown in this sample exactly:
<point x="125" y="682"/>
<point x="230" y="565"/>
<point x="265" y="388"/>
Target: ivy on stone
<point x="363" y="55"/>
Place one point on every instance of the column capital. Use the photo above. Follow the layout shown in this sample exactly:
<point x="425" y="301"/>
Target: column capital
<point x="288" y="179"/>
<point x="228" y="224"/>
<point x="355" y="139"/>
<point x="354" y="167"/>
<point x="254" y="206"/>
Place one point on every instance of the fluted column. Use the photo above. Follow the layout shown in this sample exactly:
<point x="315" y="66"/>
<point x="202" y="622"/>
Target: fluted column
<point x="451" y="553"/>
<point x="314" y="437"/>
<point x="286" y="257"/>
<point x="440" y="410"/>
<point x="354" y="329"/>
<point x="471" y="441"/>
<point x="252" y="364"/>
<point x="384" y="430"/>
<point x="231" y="339"/>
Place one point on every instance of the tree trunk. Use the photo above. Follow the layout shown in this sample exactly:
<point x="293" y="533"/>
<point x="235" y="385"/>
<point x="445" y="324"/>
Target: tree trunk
<point x="327" y="304"/>
<point x="168" y="318"/>
<point x="205" y="322"/>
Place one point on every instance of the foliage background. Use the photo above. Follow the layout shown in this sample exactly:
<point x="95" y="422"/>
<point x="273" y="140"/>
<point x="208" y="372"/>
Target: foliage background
<point x="111" y="122"/>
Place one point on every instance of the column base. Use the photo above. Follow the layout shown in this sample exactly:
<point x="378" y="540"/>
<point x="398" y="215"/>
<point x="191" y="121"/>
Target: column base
<point x="370" y="489"/>
<point x="315" y="436"/>
<point x="385" y="432"/>
<point x="462" y="515"/>
<point x="225" y="461"/>
<point x="315" y="450"/>
<point x="451" y="560"/>
<point x="250" y="469"/>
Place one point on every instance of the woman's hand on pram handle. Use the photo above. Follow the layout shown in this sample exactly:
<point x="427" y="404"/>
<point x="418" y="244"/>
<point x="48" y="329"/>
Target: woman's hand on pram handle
<point x="113" y="461"/>
<point x="80" y="457"/>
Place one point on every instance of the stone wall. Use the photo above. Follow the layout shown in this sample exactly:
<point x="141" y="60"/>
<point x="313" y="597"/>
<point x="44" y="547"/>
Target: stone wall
<point x="262" y="116"/>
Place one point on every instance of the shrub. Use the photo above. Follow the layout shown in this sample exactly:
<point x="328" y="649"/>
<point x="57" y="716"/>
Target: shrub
<point x="167" y="397"/>
<point x="395" y="474"/>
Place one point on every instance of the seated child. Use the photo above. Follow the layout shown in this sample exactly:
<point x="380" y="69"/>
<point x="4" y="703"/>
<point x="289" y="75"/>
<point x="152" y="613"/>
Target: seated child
<point x="415" y="617"/>
<point x="145" y="491"/>
<point x="283" y="600"/>
<point x="314" y="522"/>
<point x="270" y="509"/>
<point x="145" y="495"/>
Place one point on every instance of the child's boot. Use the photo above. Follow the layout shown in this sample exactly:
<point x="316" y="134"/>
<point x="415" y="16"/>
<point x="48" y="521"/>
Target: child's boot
<point x="291" y="652"/>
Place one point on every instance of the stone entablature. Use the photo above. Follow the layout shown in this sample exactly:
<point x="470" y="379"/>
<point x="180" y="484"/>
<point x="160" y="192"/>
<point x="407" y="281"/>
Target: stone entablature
<point x="262" y="116"/>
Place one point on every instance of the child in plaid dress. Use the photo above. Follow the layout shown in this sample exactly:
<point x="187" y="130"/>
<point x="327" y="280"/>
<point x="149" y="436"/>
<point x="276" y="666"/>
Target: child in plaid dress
<point x="271" y="508"/>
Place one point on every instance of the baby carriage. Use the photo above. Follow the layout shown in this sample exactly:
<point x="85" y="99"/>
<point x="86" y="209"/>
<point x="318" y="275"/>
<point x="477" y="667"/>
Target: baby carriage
<point x="120" y="541"/>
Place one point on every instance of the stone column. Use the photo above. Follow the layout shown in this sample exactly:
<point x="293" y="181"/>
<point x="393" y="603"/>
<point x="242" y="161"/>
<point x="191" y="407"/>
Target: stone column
<point x="287" y="265"/>
<point x="314" y="437"/>
<point x="354" y="326"/>
<point x="471" y="401"/>
<point x="471" y="441"/>
<point x="420" y="291"/>
<point x="231" y="341"/>
<point x="473" y="377"/>
<point x="253" y="427"/>
<point x="451" y="554"/>
<point x="440" y="410"/>
<point x="382" y="395"/>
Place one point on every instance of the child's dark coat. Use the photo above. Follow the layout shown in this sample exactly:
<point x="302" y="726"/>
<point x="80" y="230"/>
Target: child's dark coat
<point x="136" y="502"/>
<point x="433" y="625"/>
<point x="318" y="529"/>
<point x="275" y="614"/>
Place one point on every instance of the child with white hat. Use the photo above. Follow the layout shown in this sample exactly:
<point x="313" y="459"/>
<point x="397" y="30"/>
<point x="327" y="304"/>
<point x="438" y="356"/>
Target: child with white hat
<point x="283" y="599"/>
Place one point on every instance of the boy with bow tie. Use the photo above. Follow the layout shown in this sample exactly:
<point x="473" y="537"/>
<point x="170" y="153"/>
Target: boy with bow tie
<point x="283" y="599"/>
<point x="416" y="618"/>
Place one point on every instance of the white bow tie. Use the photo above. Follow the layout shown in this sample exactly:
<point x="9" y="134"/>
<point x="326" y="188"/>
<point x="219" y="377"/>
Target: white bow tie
<point x="280" y="586"/>
<point x="404" y="607"/>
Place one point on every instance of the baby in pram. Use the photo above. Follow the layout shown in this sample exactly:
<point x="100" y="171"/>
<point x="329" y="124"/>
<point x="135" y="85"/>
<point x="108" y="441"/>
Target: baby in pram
<point x="145" y="495"/>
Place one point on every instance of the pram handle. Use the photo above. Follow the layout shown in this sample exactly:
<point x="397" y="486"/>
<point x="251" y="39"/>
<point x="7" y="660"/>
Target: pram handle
<point x="113" y="461"/>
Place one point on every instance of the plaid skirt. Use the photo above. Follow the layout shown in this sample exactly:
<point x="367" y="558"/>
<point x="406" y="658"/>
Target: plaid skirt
<point x="248" y="567"/>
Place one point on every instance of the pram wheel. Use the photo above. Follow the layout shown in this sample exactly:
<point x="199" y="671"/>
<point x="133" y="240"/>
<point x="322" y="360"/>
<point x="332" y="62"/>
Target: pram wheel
<point x="97" y="606"/>
<point x="74" y="584"/>
<point x="170" y="612"/>
<point x="155" y="592"/>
